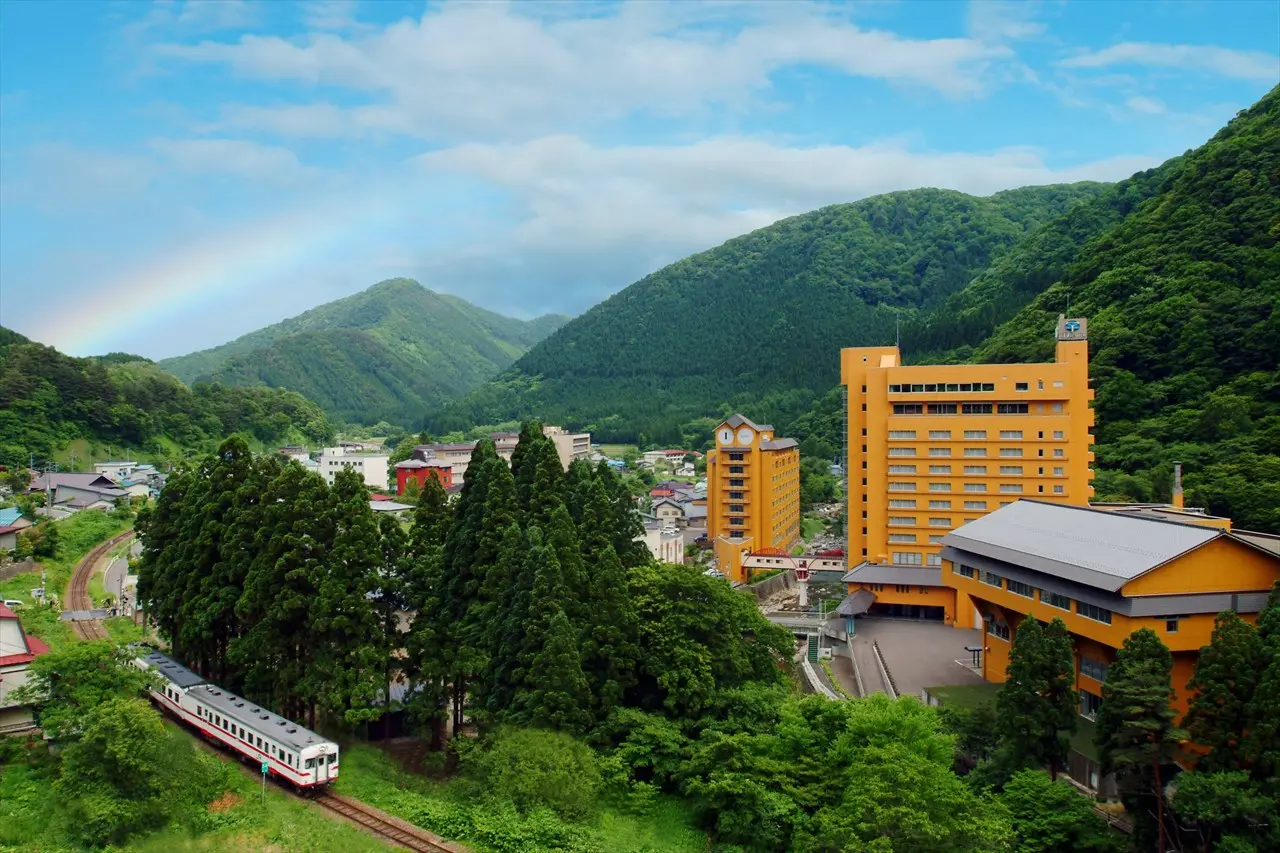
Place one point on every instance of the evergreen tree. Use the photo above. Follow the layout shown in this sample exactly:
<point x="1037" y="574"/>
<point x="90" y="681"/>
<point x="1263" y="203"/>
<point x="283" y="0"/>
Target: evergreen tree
<point x="1224" y="682"/>
<point x="516" y="567"/>
<point x="1269" y="618"/>
<point x="393" y="575"/>
<point x="556" y="692"/>
<point x="544" y="495"/>
<point x="1037" y="703"/>
<point x="1261" y="746"/>
<point x="626" y="530"/>
<point x="431" y="518"/>
<point x="428" y="664"/>
<point x="1136" y="732"/>
<point x="610" y="656"/>
<point x="524" y="460"/>
<point x="576" y="480"/>
<point x="562" y="536"/>
<point x="348" y="666"/>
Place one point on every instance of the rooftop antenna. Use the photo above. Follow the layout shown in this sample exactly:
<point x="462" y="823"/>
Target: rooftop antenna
<point x="897" y="331"/>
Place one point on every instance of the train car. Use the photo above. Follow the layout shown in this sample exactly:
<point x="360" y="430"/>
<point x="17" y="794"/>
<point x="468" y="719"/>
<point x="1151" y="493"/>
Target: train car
<point x="297" y="755"/>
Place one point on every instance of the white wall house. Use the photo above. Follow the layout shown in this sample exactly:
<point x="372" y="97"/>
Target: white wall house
<point x="17" y="651"/>
<point x="665" y="543"/>
<point x="370" y="466"/>
<point x="115" y="470"/>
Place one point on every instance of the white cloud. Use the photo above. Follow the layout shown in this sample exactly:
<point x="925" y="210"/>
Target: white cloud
<point x="1000" y="20"/>
<point x="56" y="178"/>
<point x="1238" y="64"/>
<point x="238" y="157"/>
<point x="493" y="70"/>
<point x="331" y="15"/>
<point x="1146" y="106"/>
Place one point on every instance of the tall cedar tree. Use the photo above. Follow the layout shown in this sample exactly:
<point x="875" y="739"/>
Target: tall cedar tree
<point x="576" y="478"/>
<point x="523" y="463"/>
<point x="390" y="601"/>
<point x="349" y="642"/>
<point x="1262" y="742"/>
<point x="1136" y="734"/>
<point x="624" y="522"/>
<point x="1036" y="703"/>
<point x="545" y="493"/>
<point x="609" y="652"/>
<point x="242" y="543"/>
<point x="428" y="661"/>
<point x="294" y="539"/>
<point x="510" y="591"/>
<point x="1269" y="618"/>
<point x="1226" y="677"/>
<point x="158" y="573"/>
<point x="431" y="518"/>
<point x="557" y="695"/>
<point x="562" y="536"/>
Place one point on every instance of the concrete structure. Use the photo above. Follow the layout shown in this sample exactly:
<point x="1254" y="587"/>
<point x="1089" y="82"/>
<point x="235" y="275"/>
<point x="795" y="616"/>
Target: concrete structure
<point x="417" y="471"/>
<point x="665" y="542"/>
<point x="298" y="454"/>
<point x="569" y="445"/>
<point x="391" y="508"/>
<point x="372" y="467"/>
<point x="457" y="454"/>
<point x="504" y="443"/>
<point x="1105" y="574"/>
<point x="753" y="493"/>
<point x="17" y="651"/>
<point x="115" y="470"/>
<point x="934" y="447"/>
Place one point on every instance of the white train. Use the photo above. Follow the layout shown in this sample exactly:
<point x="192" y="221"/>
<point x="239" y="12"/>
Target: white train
<point x="292" y="753"/>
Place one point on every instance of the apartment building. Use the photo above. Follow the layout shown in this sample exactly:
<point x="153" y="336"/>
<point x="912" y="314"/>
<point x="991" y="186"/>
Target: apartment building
<point x="932" y="447"/>
<point x="753" y="493"/>
<point x="372" y="467"/>
<point x="569" y="445"/>
<point x="417" y="471"/>
<point x="457" y="455"/>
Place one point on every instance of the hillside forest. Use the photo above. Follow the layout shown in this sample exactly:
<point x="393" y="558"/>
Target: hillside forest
<point x="1177" y="269"/>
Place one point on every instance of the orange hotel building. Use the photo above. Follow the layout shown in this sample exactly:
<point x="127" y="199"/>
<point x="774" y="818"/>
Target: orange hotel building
<point x="933" y="447"/>
<point x="753" y="493"/>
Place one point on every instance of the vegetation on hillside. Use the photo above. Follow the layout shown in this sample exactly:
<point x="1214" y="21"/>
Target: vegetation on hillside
<point x="48" y="399"/>
<point x="392" y="352"/>
<point x="763" y="312"/>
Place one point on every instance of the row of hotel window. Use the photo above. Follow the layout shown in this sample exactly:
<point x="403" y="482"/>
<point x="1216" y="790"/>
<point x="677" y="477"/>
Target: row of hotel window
<point x="969" y="469"/>
<point x="976" y="488"/>
<point x="1089" y="667"/>
<point x="1053" y="599"/>
<point x="936" y="387"/>
<point x="969" y="434"/>
<point x="969" y="408"/>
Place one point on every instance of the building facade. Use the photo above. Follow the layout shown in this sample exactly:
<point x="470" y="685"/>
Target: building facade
<point x="664" y="541"/>
<point x="1106" y="574"/>
<point x="417" y="471"/>
<point x="569" y="445"/>
<point x="934" y="447"/>
<point x="753" y="493"/>
<point x="17" y="651"/>
<point x="372" y="467"/>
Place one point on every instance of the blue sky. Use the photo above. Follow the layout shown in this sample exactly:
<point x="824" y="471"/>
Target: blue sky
<point x="175" y="174"/>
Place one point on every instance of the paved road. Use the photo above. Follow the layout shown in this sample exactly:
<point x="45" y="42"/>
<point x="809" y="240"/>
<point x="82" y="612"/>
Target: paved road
<point x="918" y="655"/>
<point x="113" y="581"/>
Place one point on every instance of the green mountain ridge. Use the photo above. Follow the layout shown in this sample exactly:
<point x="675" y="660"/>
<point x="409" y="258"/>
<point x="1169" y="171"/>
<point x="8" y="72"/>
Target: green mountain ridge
<point x="1177" y="269"/>
<point x="391" y="352"/>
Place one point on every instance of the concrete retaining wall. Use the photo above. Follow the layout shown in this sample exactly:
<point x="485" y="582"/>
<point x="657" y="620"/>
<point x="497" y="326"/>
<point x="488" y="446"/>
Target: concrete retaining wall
<point x="11" y="570"/>
<point x="777" y="583"/>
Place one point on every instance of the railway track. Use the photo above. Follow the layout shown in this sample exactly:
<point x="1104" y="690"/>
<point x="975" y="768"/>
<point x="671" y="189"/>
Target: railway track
<point x="396" y="831"/>
<point x="78" y="593"/>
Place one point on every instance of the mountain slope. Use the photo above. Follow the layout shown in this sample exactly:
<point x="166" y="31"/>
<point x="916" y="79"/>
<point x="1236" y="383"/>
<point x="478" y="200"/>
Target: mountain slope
<point x="391" y="352"/>
<point x="766" y="312"/>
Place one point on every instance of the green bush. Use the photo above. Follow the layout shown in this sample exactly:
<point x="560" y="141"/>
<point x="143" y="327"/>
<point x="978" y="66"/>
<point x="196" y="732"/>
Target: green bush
<point x="535" y="769"/>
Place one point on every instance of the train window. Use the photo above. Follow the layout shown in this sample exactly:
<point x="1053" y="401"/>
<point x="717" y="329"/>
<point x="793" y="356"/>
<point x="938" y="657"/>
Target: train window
<point x="311" y="762"/>
<point x="333" y="759"/>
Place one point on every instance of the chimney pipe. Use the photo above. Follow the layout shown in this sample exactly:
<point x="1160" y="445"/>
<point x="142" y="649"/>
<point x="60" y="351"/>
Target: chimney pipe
<point x="1177" y="485"/>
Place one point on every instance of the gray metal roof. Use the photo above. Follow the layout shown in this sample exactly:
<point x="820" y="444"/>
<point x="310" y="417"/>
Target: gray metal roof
<point x="779" y="444"/>
<point x="172" y="671"/>
<point x="879" y="573"/>
<point x="1094" y="547"/>
<point x="1265" y="541"/>
<point x="857" y="604"/>
<point x="256" y="718"/>
<point x="737" y="420"/>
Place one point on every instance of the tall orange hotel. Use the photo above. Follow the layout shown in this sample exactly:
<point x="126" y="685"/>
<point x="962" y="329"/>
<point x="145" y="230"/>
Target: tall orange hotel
<point x="932" y="447"/>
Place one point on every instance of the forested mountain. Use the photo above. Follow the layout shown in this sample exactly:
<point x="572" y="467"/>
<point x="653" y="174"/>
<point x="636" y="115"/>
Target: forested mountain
<point x="764" y="312"/>
<point x="391" y="352"/>
<point x="48" y="399"/>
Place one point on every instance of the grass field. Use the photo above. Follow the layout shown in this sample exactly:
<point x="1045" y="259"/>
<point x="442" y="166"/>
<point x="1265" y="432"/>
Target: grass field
<point x="968" y="696"/>
<point x="617" y="451"/>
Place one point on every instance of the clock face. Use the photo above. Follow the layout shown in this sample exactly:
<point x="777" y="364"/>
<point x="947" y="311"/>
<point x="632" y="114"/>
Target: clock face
<point x="744" y="436"/>
<point x="726" y="436"/>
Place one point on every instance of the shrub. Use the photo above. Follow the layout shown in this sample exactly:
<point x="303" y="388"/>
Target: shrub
<point x="532" y="768"/>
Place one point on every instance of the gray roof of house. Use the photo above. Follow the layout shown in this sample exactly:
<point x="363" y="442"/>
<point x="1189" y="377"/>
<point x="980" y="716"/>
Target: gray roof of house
<point x="736" y="421"/>
<point x="388" y="506"/>
<point x="779" y="444"/>
<point x="881" y="573"/>
<point x="1265" y="541"/>
<point x="1093" y="547"/>
<point x="412" y="463"/>
<point x="857" y="603"/>
<point x="73" y="480"/>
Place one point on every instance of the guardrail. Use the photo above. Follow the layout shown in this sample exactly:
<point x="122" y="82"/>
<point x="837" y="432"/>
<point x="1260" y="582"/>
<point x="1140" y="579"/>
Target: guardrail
<point x="889" y="686"/>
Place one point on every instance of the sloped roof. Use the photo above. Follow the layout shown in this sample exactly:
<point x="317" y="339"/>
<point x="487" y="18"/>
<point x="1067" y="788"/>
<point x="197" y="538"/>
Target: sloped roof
<point x="1095" y="547"/>
<point x="73" y="480"/>
<point x="779" y="444"/>
<point x="737" y="420"/>
<point x="857" y="604"/>
<point x="9" y="514"/>
<point x="880" y="573"/>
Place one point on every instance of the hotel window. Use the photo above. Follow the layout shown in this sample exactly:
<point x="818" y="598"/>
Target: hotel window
<point x="939" y="504"/>
<point x="735" y="457"/>
<point x="938" y="521"/>
<point x="1089" y="705"/>
<point x="966" y="571"/>
<point x="975" y="451"/>
<point x="939" y="451"/>
<point x="902" y="587"/>
<point x="907" y="558"/>
<point x="939" y="434"/>
<point x="975" y="487"/>
<point x="1059" y="472"/>
<point x="1011" y="452"/>
<point x="976" y="408"/>
<point x="902" y="487"/>
<point x="902" y="469"/>
<point x="1091" y="611"/>
<point x="895" y="434"/>
<point x="1010" y="433"/>
<point x="1056" y="407"/>
<point x="735" y="507"/>
<point x="908" y="409"/>
<point x="1095" y="669"/>
<point x="975" y="469"/>
<point x="1054" y="599"/>
<point x="975" y="433"/>
<point x="900" y="520"/>
<point x="939" y="469"/>
<point x="1025" y="590"/>
<point x="1171" y="624"/>
<point x="736" y="483"/>
<point x="936" y="538"/>
<point x="932" y="559"/>
<point x="1059" y="453"/>
<point x="735" y="496"/>
<point x="975" y="504"/>
<point x="1010" y="469"/>
<point x="1057" y="435"/>
<point x="942" y="408"/>
<point x="999" y="629"/>
<point x="1010" y="488"/>
<point x="1059" y="490"/>
<point x="939" y="487"/>
<point x="737" y="469"/>
<point x="993" y="579"/>
<point x="1012" y="409"/>
<point x="1020" y="386"/>
<point x="902" y="503"/>
<point x="902" y="451"/>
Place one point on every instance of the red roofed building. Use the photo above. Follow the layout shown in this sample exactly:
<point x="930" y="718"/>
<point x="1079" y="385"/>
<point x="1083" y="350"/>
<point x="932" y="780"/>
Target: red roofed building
<point x="418" y="470"/>
<point x="662" y="493"/>
<point x="17" y="651"/>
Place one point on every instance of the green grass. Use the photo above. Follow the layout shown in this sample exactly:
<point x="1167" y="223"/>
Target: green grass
<point x="617" y="451"/>
<point x="1082" y="740"/>
<point x="451" y="810"/>
<point x="123" y="630"/>
<point x="764" y="576"/>
<point x="967" y="696"/>
<point x="811" y="526"/>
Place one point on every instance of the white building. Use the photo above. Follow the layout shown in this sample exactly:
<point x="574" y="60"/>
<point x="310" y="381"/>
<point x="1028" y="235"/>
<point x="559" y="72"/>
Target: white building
<point x="115" y="470"/>
<point x="298" y="454"/>
<point x="665" y="543"/>
<point x="569" y="445"/>
<point x="372" y="467"/>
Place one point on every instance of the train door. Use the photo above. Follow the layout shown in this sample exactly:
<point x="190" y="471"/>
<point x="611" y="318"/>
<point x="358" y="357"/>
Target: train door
<point x="322" y="766"/>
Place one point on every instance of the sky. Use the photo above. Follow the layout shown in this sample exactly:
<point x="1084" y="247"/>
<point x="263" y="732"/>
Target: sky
<point x="176" y="174"/>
